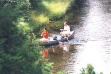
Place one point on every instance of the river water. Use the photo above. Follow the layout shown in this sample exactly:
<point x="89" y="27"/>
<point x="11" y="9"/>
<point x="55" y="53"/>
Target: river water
<point x="92" y="42"/>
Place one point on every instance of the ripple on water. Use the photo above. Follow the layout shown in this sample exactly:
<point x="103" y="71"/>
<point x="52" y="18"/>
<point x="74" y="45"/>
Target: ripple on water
<point x="92" y="43"/>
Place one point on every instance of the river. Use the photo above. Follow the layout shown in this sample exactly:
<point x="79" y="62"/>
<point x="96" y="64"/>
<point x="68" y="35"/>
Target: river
<point x="92" y="42"/>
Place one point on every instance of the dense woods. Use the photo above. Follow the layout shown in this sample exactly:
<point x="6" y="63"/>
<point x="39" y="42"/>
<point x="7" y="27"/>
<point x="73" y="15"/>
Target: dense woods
<point x="20" y="23"/>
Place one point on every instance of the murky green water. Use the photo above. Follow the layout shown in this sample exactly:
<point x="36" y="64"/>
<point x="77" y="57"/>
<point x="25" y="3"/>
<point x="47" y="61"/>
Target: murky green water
<point x="92" y="43"/>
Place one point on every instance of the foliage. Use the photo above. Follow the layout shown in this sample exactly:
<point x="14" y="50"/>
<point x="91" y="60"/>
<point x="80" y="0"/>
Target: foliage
<point x="55" y="7"/>
<point x="19" y="48"/>
<point x="20" y="22"/>
<point x="45" y="13"/>
<point x="88" y="70"/>
<point x="62" y="72"/>
<point x="101" y="72"/>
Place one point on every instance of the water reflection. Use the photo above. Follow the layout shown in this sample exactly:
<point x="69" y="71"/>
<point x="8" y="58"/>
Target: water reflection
<point x="60" y="55"/>
<point x="59" y="50"/>
<point x="65" y="48"/>
<point x="45" y="53"/>
<point x="97" y="31"/>
<point x="92" y="43"/>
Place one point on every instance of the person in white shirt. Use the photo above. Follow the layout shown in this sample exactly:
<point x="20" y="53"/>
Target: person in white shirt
<point x="66" y="30"/>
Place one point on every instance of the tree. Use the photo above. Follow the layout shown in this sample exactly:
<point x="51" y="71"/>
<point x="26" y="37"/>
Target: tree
<point x="19" y="49"/>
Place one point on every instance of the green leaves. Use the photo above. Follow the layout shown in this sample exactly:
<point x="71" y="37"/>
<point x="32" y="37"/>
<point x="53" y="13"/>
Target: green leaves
<point x="88" y="70"/>
<point x="20" y="21"/>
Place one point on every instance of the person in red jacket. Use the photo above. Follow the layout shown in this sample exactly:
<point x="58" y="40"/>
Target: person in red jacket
<point x="45" y="35"/>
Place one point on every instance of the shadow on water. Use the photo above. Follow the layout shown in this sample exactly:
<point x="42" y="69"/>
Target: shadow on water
<point x="61" y="56"/>
<point x="92" y="42"/>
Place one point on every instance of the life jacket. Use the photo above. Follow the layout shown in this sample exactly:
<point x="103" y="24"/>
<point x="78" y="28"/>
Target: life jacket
<point x="45" y="34"/>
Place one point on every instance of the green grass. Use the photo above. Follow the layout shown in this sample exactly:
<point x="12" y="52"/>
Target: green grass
<point x="56" y="8"/>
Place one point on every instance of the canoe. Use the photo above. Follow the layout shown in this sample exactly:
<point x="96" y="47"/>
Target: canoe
<point x="49" y="43"/>
<point x="56" y="42"/>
